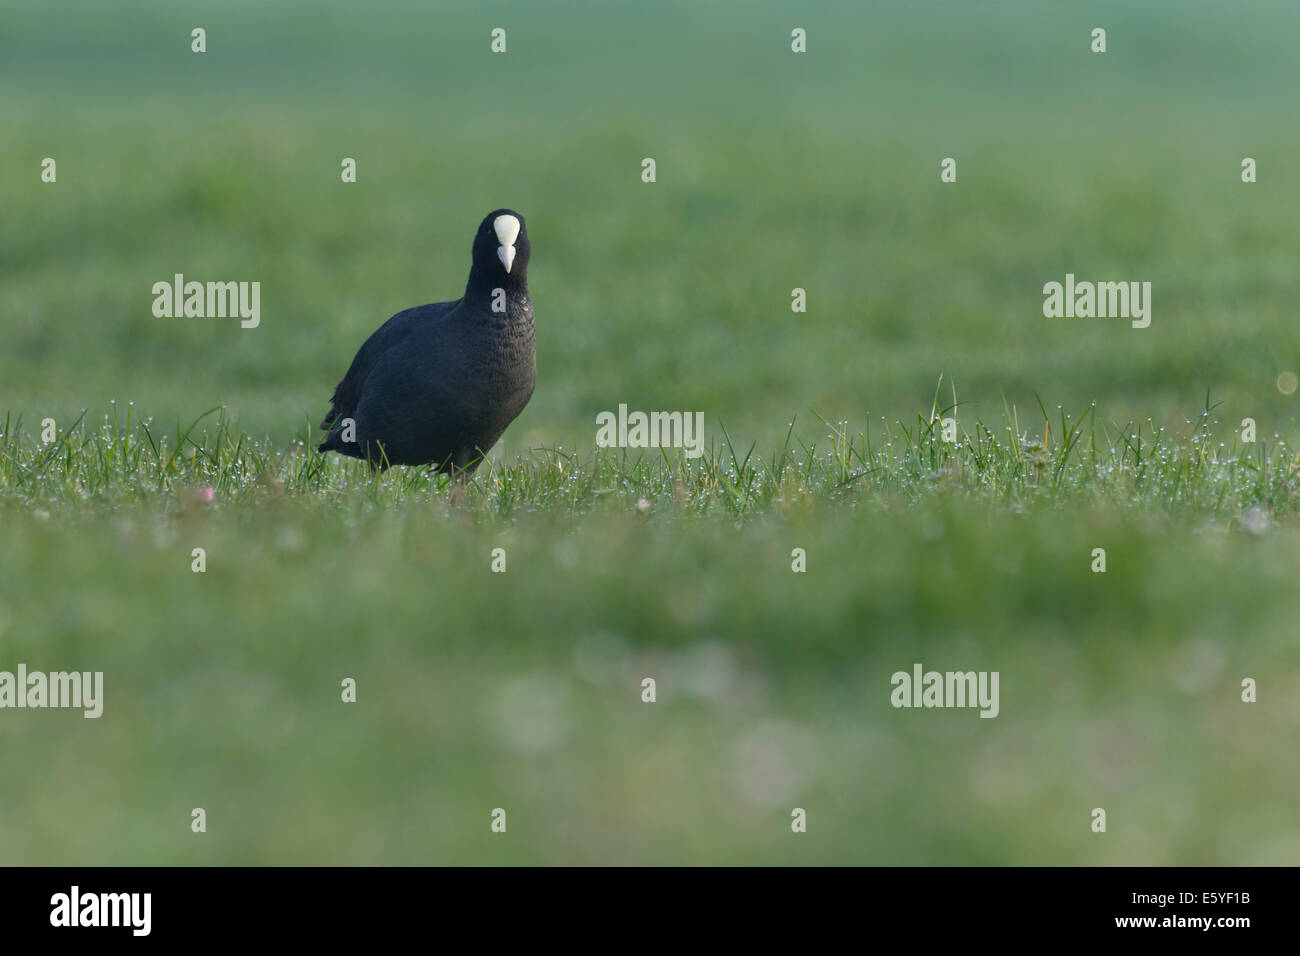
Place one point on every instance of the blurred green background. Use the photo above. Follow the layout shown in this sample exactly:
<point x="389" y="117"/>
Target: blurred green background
<point x="775" y="171"/>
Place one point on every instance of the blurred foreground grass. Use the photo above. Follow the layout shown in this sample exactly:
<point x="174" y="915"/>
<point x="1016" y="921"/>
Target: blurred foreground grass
<point x="521" y="689"/>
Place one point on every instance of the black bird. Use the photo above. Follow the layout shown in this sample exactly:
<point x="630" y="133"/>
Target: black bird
<point x="438" y="384"/>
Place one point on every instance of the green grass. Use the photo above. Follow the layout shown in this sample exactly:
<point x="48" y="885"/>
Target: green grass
<point x="522" y="690"/>
<point x="1138" y="467"/>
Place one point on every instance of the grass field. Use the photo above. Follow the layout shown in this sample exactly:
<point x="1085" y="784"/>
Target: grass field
<point x="522" y="690"/>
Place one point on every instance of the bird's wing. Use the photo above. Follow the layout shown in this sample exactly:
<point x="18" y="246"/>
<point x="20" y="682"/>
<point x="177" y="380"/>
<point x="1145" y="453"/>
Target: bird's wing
<point x="346" y="393"/>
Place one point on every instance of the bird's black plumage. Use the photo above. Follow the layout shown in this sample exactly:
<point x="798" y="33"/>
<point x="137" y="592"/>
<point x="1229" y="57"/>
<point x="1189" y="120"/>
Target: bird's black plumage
<point x="438" y="384"/>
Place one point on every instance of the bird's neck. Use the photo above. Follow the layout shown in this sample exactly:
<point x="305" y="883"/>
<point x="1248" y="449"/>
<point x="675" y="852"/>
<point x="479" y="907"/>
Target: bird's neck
<point x="483" y="285"/>
<point x="504" y="303"/>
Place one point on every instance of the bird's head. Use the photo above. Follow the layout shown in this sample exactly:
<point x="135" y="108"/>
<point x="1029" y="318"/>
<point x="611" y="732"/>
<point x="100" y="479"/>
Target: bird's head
<point x="501" y="248"/>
